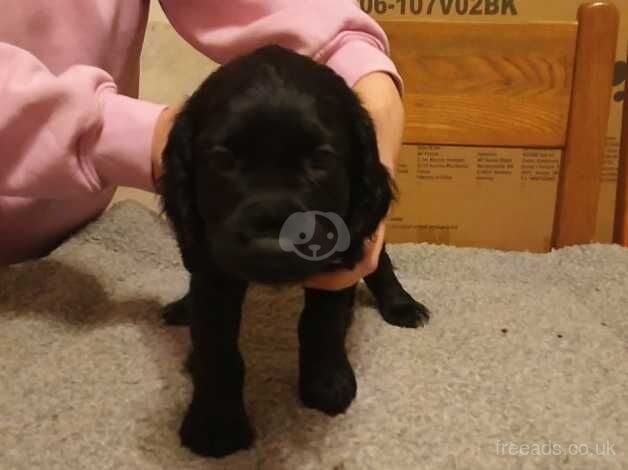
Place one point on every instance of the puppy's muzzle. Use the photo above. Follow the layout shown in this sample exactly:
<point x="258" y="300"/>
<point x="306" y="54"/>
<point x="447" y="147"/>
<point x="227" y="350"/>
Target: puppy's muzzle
<point x="252" y="245"/>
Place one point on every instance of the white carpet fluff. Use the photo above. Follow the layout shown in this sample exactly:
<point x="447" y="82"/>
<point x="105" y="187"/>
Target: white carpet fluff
<point x="524" y="364"/>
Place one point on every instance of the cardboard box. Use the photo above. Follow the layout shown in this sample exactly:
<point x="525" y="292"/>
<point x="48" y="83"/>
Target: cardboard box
<point x="492" y="197"/>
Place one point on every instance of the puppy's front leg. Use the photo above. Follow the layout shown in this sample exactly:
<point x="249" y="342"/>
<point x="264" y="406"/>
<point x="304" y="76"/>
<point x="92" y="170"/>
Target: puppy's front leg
<point x="326" y="379"/>
<point x="216" y="423"/>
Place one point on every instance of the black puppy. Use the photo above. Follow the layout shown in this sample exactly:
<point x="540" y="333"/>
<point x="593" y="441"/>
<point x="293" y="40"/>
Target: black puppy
<point x="271" y="174"/>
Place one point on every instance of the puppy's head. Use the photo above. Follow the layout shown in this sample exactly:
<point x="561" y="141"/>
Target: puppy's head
<point x="272" y="171"/>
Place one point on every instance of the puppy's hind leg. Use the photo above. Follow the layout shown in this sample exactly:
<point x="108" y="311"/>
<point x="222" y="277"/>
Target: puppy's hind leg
<point x="396" y="306"/>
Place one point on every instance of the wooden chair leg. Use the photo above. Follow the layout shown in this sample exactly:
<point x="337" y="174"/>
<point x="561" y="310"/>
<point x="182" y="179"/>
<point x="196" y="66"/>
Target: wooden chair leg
<point x="581" y="169"/>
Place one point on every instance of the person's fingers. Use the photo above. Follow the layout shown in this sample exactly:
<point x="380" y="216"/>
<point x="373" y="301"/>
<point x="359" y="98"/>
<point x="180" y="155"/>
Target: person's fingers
<point x="336" y="280"/>
<point x="372" y="250"/>
<point x="343" y="278"/>
<point x="163" y="125"/>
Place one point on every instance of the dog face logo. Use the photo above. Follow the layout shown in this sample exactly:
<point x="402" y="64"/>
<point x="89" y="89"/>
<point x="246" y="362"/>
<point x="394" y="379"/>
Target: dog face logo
<point x="314" y="235"/>
<point x="619" y="78"/>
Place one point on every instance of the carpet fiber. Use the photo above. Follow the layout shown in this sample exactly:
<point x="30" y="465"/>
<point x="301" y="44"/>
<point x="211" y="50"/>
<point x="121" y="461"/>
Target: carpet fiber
<point x="525" y="355"/>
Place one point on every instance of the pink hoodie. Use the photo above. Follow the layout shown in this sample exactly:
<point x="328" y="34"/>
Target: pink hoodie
<point x="71" y="128"/>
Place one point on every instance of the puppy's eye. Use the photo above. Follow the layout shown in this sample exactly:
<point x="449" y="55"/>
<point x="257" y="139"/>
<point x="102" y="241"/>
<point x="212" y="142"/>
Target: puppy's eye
<point x="324" y="158"/>
<point x="221" y="160"/>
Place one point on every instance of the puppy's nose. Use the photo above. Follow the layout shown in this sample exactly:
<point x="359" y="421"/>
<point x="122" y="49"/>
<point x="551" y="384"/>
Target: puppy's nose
<point x="264" y="219"/>
<point x="314" y="247"/>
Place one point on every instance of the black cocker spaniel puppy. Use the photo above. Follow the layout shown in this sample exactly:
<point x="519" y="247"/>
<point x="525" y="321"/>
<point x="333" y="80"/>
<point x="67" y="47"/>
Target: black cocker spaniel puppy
<point x="271" y="174"/>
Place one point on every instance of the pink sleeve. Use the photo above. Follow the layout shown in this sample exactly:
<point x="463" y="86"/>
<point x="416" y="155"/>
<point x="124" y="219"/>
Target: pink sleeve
<point x="63" y="135"/>
<point x="334" y="32"/>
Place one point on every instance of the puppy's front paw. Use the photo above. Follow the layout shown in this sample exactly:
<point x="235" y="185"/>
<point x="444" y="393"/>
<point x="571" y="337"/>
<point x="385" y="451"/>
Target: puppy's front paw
<point x="329" y="387"/>
<point x="406" y="312"/>
<point x="215" y="435"/>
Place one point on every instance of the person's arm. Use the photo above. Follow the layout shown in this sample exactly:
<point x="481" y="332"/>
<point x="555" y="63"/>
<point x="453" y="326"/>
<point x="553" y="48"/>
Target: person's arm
<point x="69" y="134"/>
<point x="333" y="32"/>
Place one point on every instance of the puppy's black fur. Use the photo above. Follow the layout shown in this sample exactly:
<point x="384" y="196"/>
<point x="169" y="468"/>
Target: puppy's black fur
<point x="271" y="134"/>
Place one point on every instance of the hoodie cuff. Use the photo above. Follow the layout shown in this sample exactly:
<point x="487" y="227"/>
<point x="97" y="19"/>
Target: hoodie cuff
<point x="122" y="154"/>
<point x="359" y="57"/>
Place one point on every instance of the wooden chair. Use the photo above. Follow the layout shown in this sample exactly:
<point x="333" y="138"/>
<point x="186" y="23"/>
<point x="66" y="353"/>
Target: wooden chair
<point x="527" y="85"/>
<point x="620" y="234"/>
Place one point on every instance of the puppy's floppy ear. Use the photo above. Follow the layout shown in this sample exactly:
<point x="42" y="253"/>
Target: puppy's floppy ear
<point x="179" y="197"/>
<point x="372" y="188"/>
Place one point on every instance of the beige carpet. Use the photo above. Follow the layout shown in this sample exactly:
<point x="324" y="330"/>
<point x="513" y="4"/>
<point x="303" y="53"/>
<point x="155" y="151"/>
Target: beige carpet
<point x="522" y="350"/>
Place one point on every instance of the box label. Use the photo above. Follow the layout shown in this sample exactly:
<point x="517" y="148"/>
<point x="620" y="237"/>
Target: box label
<point x="476" y="196"/>
<point x="441" y="7"/>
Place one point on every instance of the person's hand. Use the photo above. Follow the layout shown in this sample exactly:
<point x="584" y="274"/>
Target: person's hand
<point x="160" y="138"/>
<point x="343" y="278"/>
<point x="381" y="98"/>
